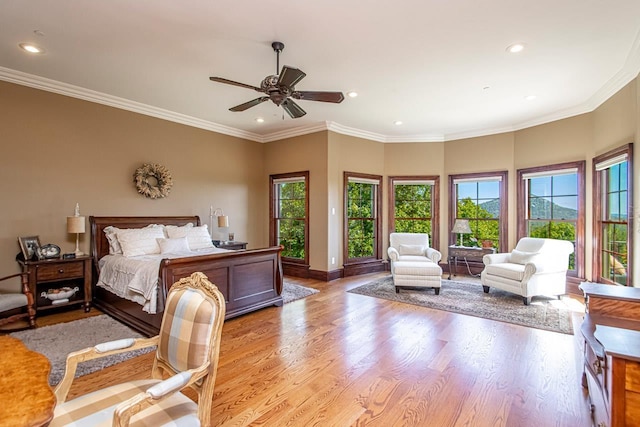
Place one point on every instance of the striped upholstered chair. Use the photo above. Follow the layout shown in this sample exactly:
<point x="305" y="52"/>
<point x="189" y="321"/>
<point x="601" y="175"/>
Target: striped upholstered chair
<point x="188" y="348"/>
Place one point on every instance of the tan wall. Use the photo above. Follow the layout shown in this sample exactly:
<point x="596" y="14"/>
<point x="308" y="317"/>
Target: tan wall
<point x="58" y="151"/>
<point x="308" y="152"/>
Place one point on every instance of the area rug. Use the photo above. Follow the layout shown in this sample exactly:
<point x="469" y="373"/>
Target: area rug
<point x="292" y="292"/>
<point x="468" y="298"/>
<point x="57" y="341"/>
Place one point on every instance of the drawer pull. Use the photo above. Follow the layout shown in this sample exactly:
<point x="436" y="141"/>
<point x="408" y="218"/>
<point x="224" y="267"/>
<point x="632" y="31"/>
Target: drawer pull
<point x="61" y="271"/>
<point x="597" y="366"/>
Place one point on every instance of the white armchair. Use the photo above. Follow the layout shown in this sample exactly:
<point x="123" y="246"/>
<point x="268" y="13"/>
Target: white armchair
<point x="534" y="267"/>
<point x="411" y="247"/>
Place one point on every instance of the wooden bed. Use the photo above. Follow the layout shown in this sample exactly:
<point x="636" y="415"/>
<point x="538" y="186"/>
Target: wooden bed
<point x="249" y="280"/>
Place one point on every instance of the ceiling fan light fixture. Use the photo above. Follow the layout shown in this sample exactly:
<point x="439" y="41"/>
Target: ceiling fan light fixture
<point x="352" y="94"/>
<point x="515" y="48"/>
<point x="397" y="122"/>
<point x="259" y="120"/>
<point x="31" y="48"/>
<point x="530" y="97"/>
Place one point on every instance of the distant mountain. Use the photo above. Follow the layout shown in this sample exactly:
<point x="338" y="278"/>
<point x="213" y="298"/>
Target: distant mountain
<point x="539" y="209"/>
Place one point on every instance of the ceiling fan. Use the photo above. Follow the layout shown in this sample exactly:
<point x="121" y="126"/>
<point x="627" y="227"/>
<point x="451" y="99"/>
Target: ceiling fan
<point x="280" y="88"/>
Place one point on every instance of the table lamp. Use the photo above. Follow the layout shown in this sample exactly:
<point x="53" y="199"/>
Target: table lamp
<point x="75" y="224"/>
<point x="461" y="226"/>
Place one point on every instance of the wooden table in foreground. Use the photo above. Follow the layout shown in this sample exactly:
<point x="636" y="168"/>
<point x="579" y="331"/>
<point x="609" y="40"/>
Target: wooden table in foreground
<point x="25" y="395"/>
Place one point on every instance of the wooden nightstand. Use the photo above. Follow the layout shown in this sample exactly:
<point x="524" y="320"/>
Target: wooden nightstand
<point x="52" y="274"/>
<point x="233" y="245"/>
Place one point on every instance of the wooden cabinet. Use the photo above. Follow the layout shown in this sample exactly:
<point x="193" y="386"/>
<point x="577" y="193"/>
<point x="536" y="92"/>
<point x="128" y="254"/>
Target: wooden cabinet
<point x="59" y="282"/>
<point x="611" y="330"/>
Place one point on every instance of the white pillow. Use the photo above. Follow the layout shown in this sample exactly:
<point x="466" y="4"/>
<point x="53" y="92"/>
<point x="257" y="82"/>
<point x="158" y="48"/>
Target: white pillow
<point x="114" y="246"/>
<point x="197" y="237"/>
<point x="172" y="246"/>
<point x="111" y="233"/>
<point x="411" y="250"/>
<point x="140" y="241"/>
<point x="520" y="257"/>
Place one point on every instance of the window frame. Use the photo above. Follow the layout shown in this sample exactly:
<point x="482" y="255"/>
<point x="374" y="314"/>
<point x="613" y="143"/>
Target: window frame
<point x="598" y="206"/>
<point x="434" y="238"/>
<point x="377" y="249"/>
<point x="523" y="200"/>
<point x="273" y="229"/>
<point x="504" y="203"/>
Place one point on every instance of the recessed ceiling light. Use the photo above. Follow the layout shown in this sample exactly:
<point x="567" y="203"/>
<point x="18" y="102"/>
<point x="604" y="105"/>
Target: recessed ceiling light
<point x="530" y="97"/>
<point x="31" y="48"/>
<point x="515" y="48"/>
<point x="352" y="94"/>
<point x="259" y="120"/>
<point x="397" y="122"/>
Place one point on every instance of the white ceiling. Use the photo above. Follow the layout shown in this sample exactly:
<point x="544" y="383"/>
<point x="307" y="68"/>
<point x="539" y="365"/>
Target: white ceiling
<point x="424" y="62"/>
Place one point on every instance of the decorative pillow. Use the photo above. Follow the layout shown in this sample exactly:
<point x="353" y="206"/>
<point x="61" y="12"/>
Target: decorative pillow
<point x="111" y="234"/>
<point x="172" y="246"/>
<point x="114" y="246"/>
<point x="174" y="230"/>
<point x="140" y="241"/>
<point x="197" y="237"/>
<point x="519" y="257"/>
<point x="411" y="250"/>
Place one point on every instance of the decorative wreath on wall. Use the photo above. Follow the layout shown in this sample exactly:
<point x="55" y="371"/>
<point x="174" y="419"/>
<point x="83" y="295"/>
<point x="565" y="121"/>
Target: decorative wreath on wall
<point x="153" y="181"/>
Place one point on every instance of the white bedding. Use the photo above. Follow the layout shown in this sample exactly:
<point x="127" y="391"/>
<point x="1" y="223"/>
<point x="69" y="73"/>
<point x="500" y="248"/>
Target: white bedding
<point x="136" y="278"/>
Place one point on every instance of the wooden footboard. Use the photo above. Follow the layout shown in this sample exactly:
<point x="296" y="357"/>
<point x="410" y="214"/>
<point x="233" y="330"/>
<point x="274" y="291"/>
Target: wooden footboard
<point x="249" y="280"/>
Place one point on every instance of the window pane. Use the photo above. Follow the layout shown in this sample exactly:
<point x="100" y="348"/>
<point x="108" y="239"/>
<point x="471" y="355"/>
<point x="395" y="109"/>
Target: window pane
<point x="565" y="207"/>
<point x="488" y="189"/>
<point x="540" y="186"/>
<point x="565" y="184"/>
<point x="539" y="208"/>
<point x="467" y="189"/>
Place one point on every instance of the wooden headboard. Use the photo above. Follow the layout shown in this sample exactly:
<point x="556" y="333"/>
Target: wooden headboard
<point x="99" y="242"/>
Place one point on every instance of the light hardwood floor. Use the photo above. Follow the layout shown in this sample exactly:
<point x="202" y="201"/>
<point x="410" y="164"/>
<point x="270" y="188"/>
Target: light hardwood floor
<point x="341" y="359"/>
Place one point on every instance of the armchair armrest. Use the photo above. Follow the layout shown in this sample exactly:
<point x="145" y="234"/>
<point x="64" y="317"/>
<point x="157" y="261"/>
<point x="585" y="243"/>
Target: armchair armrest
<point x="155" y="394"/>
<point x="496" y="258"/>
<point x="393" y="253"/>
<point x="434" y="255"/>
<point x="97" y="352"/>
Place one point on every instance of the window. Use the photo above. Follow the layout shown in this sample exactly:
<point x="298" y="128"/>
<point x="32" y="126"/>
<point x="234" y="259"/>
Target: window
<point x="551" y="205"/>
<point x="414" y="205"/>
<point x="362" y="216"/>
<point x="482" y="199"/>
<point x="289" y="225"/>
<point x="612" y="202"/>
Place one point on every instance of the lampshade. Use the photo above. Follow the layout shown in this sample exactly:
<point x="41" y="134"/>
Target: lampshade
<point x="75" y="224"/>
<point x="223" y="221"/>
<point x="461" y="226"/>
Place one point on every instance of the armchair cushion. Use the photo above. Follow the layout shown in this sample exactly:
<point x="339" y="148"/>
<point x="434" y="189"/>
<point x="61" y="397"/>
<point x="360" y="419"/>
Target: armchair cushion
<point x="96" y="409"/>
<point x="521" y="257"/>
<point x="411" y="250"/>
<point x="11" y="301"/>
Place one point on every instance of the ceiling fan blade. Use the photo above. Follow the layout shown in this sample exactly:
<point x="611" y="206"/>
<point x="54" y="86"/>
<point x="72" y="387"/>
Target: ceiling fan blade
<point x="231" y="82"/>
<point x="307" y="95"/>
<point x="249" y="104"/>
<point x="293" y="109"/>
<point x="289" y="76"/>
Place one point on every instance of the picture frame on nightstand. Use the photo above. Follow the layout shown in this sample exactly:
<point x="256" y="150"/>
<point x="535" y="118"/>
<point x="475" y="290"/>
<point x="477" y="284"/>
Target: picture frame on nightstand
<point x="29" y="246"/>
